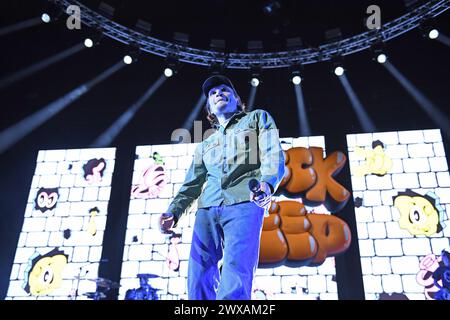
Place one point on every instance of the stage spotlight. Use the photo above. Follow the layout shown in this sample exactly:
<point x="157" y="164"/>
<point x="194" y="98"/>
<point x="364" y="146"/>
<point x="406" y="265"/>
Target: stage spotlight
<point x="144" y="26"/>
<point x="51" y="13"/>
<point x="271" y="7"/>
<point x="106" y="10"/>
<point x="171" y="66"/>
<point x="255" y="46"/>
<point x="296" y="80"/>
<point x="45" y="18"/>
<point x="255" y="76"/>
<point x="294" y="43"/>
<point x="127" y="59"/>
<point x="88" y="43"/>
<point x="181" y="38"/>
<point x="433" y="34"/>
<point x="428" y="29"/>
<point x="339" y="71"/>
<point x="411" y="4"/>
<point x="168" y="72"/>
<point x="333" y="35"/>
<point x="378" y="51"/>
<point x="296" y="72"/>
<point x="254" y="82"/>
<point x="381" y="58"/>
<point x="337" y="63"/>
<point x="217" y="45"/>
<point x="93" y="39"/>
<point x="131" y="54"/>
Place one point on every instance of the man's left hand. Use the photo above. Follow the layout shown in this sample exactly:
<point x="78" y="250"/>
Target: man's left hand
<point x="264" y="198"/>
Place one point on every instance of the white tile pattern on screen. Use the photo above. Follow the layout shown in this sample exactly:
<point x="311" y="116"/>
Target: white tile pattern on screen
<point x="44" y="231"/>
<point x="390" y="256"/>
<point x="146" y="248"/>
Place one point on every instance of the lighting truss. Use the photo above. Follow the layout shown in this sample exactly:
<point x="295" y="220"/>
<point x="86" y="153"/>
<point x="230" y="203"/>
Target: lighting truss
<point x="268" y="60"/>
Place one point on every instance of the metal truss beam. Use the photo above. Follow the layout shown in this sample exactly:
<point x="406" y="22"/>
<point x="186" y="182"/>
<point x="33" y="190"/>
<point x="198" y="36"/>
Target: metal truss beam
<point x="267" y="60"/>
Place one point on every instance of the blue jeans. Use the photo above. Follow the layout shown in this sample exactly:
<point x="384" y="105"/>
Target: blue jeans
<point x="230" y="232"/>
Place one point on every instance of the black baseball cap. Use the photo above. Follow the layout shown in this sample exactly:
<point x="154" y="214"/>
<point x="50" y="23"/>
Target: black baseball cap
<point x="216" y="80"/>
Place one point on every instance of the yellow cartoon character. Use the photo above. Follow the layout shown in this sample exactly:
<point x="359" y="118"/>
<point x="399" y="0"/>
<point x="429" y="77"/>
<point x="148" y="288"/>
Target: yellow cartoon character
<point x="419" y="214"/>
<point x="377" y="162"/>
<point x="44" y="273"/>
<point x="92" y="226"/>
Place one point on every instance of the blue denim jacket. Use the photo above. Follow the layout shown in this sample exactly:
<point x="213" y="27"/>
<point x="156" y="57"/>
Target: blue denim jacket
<point x="246" y="147"/>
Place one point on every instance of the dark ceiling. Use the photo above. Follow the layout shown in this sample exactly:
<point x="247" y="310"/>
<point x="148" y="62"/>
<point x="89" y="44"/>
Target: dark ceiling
<point x="423" y="61"/>
<point x="238" y="21"/>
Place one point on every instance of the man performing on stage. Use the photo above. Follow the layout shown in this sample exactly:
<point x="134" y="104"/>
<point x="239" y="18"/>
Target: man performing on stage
<point x="228" y="223"/>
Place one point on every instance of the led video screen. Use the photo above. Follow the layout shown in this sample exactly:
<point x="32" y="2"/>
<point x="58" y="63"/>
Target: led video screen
<point x="159" y="262"/>
<point x="401" y="190"/>
<point x="60" y="244"/>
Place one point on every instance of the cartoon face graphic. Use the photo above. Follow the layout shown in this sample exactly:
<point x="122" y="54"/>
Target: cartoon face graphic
<point x="173" y="258"/>
<point x="158" y="158"/>
<point x="152" y="181"/>
<point x="260" y="293"/>
<point x="93" y="170"/>
<point x="431" y="275"/>
<point x="44" y="273"/>
<point x="418" y="214"/>
<point x="377" y="162"/>
<point x="441" y="277"/>
<point x="92" y="226"/>
<point x="46" y="199"/>
<point x="175" y="238"/>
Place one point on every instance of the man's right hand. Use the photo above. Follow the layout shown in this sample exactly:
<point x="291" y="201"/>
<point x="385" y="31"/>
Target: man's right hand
<point x="166" y="222"/>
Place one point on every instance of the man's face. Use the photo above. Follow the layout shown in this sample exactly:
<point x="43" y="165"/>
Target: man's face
<point x="222" y="99"/>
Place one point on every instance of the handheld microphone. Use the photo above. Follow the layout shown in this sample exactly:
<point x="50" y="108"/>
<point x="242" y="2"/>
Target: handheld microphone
<point x="255" y="186"/>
